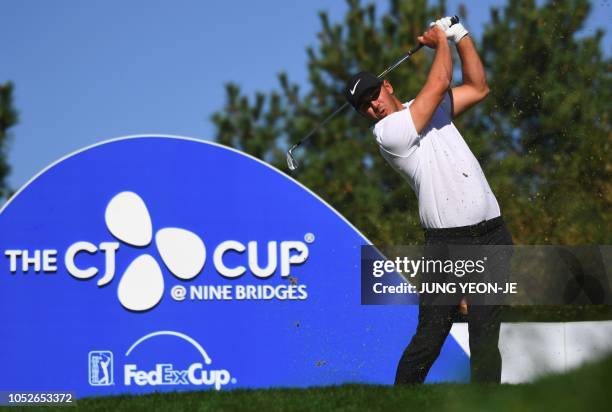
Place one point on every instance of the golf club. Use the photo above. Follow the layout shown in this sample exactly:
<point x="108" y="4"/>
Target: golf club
<point x="292" y="161"/>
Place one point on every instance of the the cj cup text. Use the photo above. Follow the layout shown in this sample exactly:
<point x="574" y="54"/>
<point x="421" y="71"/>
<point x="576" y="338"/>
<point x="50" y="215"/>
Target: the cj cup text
<point x="277" y="255"/>
<point x="165" y="374"/>
<point x="411" y="267"/>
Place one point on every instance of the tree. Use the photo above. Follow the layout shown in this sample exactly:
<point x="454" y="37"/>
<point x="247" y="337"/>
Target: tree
<point x="8" y="118"/>
<point x="543" y="136"/>
<point x="548" y="122"/>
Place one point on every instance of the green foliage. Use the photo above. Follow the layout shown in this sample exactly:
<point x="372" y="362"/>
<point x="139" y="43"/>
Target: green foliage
<point x="8" y="118"/>
<point x="543" y="135"/>
<point x="546" y="132"/>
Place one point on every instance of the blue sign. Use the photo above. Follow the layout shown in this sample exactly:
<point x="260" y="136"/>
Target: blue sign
<point x="158" y="263"/>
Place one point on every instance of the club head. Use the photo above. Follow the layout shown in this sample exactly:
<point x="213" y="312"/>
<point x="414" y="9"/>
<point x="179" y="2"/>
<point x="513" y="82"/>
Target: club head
<point x="291" y="161"/>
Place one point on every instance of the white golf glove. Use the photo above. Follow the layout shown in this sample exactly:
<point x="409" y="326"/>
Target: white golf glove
<point x="455" y="32"/>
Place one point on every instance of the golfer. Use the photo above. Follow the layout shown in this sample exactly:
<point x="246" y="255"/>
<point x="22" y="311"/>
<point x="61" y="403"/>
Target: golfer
<point x="456" y="205"/>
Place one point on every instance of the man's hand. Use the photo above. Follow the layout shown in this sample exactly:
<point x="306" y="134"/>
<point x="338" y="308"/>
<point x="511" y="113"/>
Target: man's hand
<point x="432" y="37"/>
<point x="455" y="32"/>
<point x="463" y="307"/>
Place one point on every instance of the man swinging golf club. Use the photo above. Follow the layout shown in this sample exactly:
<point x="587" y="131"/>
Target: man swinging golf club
<point x="456" y="204"/>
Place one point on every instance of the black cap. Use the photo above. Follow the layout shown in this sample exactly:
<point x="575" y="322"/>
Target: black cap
<point x="358" y="87"/>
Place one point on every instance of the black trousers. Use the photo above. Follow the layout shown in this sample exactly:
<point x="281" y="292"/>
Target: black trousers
<point x="435" y="321"/>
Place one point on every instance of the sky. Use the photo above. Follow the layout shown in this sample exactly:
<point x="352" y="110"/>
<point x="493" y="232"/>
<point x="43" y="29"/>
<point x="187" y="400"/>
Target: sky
<point x="88" y="71"/>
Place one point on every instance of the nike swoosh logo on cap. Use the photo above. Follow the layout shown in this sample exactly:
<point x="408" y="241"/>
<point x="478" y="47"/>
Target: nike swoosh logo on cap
<point x="355" y="87"/>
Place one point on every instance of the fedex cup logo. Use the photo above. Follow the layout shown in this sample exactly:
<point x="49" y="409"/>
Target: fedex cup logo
<point x="183" y="252"/>
<point x="199" y="373"/>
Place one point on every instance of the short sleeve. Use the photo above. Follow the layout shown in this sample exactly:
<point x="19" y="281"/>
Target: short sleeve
<point x="447" y="104"/>
<point x="396" y="133"/>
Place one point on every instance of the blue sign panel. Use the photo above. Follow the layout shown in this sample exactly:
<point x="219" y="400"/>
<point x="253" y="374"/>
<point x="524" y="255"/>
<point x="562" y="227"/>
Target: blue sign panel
<point x="156" y="263"/>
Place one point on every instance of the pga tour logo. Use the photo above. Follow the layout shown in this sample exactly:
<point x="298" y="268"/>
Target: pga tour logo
<point x="101" y="368"/>
<point x="197" y="373"/>
<point x="183" y="252"/>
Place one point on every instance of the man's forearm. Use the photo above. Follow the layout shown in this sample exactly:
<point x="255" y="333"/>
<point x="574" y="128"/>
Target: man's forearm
<point x="438" y="79"/>
<point x="441" y="71"/>
<point x="471" y="66"/>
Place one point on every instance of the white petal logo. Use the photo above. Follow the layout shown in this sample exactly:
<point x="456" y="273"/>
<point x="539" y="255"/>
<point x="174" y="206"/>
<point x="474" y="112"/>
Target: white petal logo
<point x="182" y="251"/>
<point x="142" y="285"/>
<point x="128" y="219"/>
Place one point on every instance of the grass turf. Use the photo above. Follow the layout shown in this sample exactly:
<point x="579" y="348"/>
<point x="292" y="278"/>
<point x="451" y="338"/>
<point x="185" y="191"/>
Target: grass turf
<point x="586" y="389"/>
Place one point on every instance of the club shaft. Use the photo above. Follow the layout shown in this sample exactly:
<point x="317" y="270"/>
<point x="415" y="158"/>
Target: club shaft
<point x="454" y="20"/>
<point x="400" y="61"/>
<point x="320" y="125"/>
<point x="345" y="105"/>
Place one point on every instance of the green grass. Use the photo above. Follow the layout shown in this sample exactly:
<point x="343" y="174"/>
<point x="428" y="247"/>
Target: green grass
<point x="586" y="389"/>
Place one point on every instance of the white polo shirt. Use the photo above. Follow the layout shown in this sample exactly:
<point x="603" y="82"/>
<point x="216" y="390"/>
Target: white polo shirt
<point x="450" y="186"/>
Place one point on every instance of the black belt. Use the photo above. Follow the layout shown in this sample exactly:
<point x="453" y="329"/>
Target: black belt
<point x="478" y="229"/>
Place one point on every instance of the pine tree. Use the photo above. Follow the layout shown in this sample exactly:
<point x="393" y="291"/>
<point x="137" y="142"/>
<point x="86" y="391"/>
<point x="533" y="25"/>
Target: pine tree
<point x="8" y="118"/>
<point x="547" y="122"/>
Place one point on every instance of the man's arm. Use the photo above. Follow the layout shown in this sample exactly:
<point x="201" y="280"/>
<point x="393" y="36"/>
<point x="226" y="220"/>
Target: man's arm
<point x="438" y="80"/>
<point x="474" y="88"/>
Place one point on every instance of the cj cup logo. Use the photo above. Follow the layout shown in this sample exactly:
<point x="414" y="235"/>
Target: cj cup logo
<point x="183" y="253"/>
<point x="142" y="285"/>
